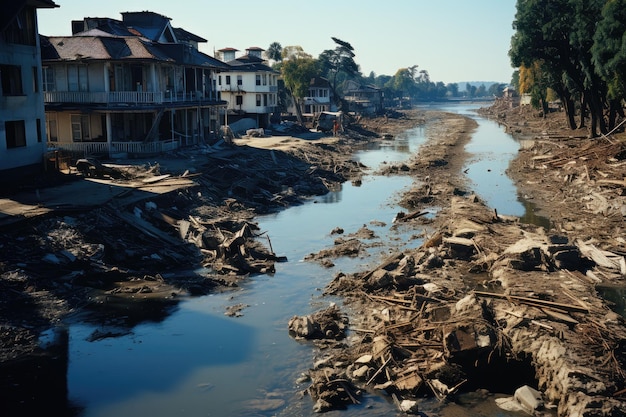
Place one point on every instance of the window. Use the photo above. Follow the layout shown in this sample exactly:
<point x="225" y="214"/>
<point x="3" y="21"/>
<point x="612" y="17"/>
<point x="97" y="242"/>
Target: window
<point x="258" y="79"/>
<point x="258" y="100"/>
<point x="11" y="76"/>
<point x="77" y="77"/>
<point x="47" y="74"/>
<point x="239" y="80"/>
<point x="80" y="127"/>
<point x="265" y="99"/>
<point x="264" y="79"/>
<point x="228" y="80"/>
<point x="219" y="79"/>
<point x="39" y="136"/>
<point x="35" y="80"/>
<point x="15" y="134"/>
<point x="22" y="29"/>
<point x="239" y="100"/>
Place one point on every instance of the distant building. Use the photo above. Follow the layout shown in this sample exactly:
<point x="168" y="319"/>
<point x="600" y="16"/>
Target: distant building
<point x="135" y="86"/>
<point x="249" y="87"/>
<point x="363" y="99"/>
<point x="22" y="117"/>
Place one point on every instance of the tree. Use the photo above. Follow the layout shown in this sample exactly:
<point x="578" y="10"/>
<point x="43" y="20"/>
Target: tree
<point x="453" y="89"/>
<point x="558" y="34"/>
<point x="297" y="70"/>
<point x="533" y="81"/>
<point x="338" y="61"/>
<point x="403" y="82"/>
<point x="609" y="55"/>
<point x="274" y="52"/>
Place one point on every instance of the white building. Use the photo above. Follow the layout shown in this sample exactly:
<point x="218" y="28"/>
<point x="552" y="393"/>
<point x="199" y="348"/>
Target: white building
<point x="250" y="87"/>
<point x="22" y="117"/>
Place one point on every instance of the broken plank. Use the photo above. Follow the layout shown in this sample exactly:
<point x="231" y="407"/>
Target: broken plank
<point x="534" y="301"/>
<point x="156" y="178"/>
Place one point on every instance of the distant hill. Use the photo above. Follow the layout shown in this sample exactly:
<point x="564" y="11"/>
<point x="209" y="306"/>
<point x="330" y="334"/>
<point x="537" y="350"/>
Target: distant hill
<point x="463" y="84"/>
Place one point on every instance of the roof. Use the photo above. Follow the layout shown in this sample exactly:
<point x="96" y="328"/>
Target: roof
<point x="319" y="82"/>
<point x="184" y="54"/>
<point x="249" y="63"/>
<point x="108" y="47"/>
<point x="10" y="9"/>
<point x="183" y="35"/>
<point x="100" y="46"/>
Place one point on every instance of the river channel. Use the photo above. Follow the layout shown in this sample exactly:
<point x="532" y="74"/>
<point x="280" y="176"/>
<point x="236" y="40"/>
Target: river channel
<point x="195" y="361"/>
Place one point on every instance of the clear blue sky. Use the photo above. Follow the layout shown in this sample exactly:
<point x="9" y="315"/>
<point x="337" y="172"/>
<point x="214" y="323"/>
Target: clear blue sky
<point x="454" y="40"/>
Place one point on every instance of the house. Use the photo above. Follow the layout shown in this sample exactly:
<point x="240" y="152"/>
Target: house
<point x="249" y="87"/>
<point x="135" y="86"/>
<point x="319" y="98"/>
<point x="22" y="118"/>
<point x="363" y="99"/>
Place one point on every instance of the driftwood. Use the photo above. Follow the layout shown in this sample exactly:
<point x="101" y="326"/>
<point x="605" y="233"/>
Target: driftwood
<point x="535" y="302"/>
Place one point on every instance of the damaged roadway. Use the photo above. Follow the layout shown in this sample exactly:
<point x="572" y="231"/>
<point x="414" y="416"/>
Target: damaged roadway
<point x="483" y="294"/>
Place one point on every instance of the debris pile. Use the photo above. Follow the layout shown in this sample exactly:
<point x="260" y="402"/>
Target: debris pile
<point x="484" y="294"/>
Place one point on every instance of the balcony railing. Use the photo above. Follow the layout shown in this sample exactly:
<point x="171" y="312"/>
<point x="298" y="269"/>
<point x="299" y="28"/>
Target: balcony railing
<point x="121" y="97"/>
<point x="131" y="148"/>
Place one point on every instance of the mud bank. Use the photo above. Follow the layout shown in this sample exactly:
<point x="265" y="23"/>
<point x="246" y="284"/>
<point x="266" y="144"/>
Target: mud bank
<point x="486" y="301"/>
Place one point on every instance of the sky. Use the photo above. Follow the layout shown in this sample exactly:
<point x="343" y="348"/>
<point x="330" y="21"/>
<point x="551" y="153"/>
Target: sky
<point x="454" y="40"/>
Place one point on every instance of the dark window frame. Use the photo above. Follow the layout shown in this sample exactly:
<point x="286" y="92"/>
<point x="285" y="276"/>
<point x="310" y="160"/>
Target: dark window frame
<point x="15" y="131"/>
<point x="11" y="80"/>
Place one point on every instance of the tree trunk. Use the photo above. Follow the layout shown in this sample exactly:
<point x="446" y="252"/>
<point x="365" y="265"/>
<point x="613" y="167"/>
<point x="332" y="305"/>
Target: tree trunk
<point x="298" y="110"/>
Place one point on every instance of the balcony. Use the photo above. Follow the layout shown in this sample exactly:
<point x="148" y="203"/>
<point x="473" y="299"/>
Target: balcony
<point x="104" y="148"/>
<point x="121" y="97"/>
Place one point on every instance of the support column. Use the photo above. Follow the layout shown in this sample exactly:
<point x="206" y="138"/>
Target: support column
<point x="109" y="129"/>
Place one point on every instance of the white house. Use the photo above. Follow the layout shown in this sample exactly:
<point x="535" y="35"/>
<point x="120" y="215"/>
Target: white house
<point x="249" y="87"/>
<point x="22" y="117"/>
<point x="135" y="86"/>
<point x="318" y="100"/>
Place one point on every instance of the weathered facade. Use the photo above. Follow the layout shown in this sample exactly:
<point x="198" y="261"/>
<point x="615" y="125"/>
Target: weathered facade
<point x="250" y="87"/>
<point x="22" y="118"/>
<point x="135" y="86"/>
<point x="365" y="99"/>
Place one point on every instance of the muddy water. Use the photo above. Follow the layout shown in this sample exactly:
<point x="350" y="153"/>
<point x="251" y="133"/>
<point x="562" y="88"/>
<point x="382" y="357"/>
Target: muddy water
<point x="192" y="360"/>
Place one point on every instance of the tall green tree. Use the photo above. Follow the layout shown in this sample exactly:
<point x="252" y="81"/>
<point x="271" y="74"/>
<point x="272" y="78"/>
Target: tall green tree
<point x="297" y="69"/>
<point x="542" y="36"/>
<point x="274" y="52"/>
<point x="338" y="64"/>
<point x="559" y="34"/>
<point x="609" y="55"/>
